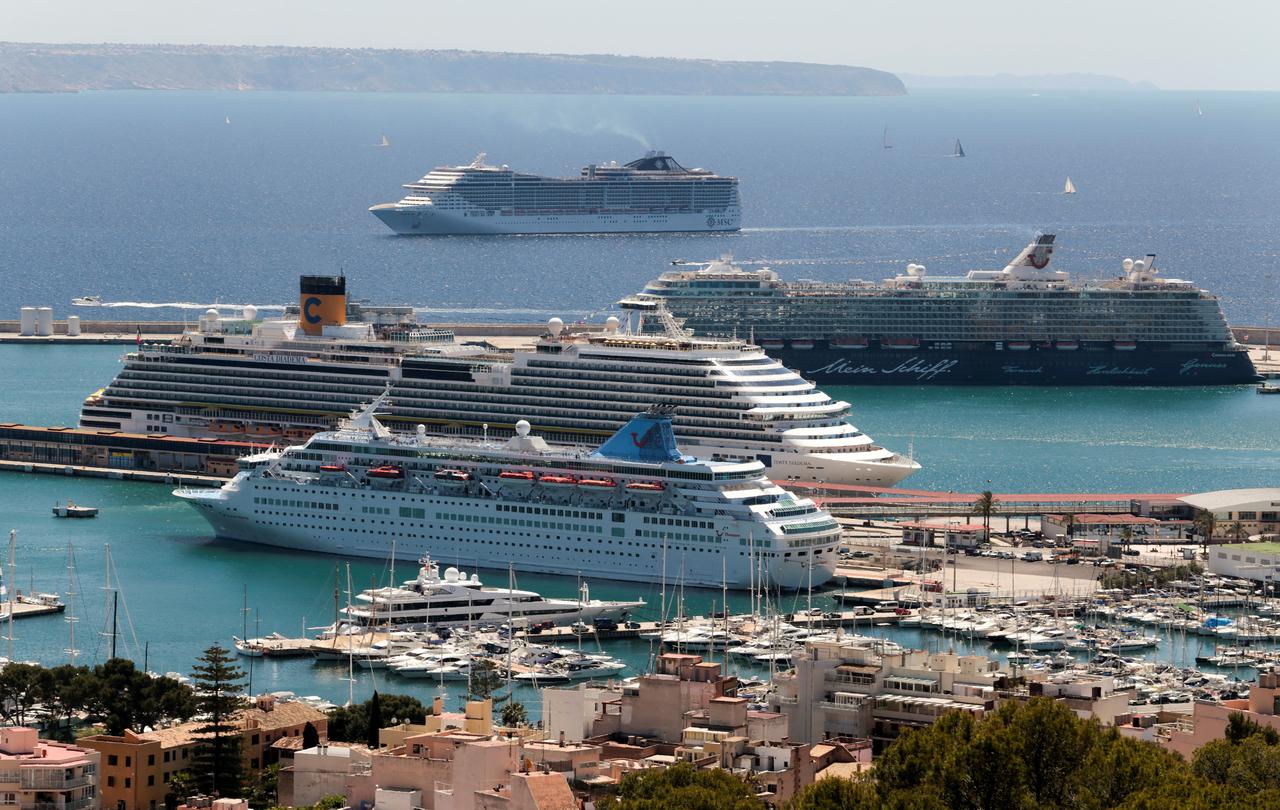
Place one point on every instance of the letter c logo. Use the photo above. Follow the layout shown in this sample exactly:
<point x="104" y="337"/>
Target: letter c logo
<point x="307" y="315"/>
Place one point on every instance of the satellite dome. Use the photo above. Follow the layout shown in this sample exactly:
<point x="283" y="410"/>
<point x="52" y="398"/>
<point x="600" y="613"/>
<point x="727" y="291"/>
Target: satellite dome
<point x="522" y="427"/>
<point x="451" y="574"/>
<point x="211" y="313"/>
<point x="251" y="313"/>
<point x="1127" y="264"/>
<point x="611" y="323"/>
<point x="1139" y="265"/>
<point x="555" y="326"/>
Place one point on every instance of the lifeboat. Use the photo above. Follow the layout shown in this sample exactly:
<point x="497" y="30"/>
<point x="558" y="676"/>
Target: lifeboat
<point x="453" y="475"/>
<point x="386" y="472"/>
<point x="516" y="475"/>
<point x="848" y="343"/>
<point x="802" y="343"/>
<point x="645" y="486"/>
<point x="596" y="482"/>
<point x="900" y="343"/>
<point x="1019" y="345"/>
<point x="557" y="479"/>
<point x="1126" y="345"/>
<point x="771" y="343"/>
<point x="1068" y="345"/>
<point x="333" y="468"/>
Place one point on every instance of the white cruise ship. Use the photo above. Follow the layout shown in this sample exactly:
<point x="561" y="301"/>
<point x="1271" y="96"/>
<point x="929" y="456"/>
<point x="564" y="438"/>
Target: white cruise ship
<point x="452" y="599"/>
<point x="635" y="509"/>
<point x="284" y="380"/>
<point x="648" y="195"/>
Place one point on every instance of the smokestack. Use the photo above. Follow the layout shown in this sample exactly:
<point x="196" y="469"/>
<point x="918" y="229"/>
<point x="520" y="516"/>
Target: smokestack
<point x="322" y="302"/>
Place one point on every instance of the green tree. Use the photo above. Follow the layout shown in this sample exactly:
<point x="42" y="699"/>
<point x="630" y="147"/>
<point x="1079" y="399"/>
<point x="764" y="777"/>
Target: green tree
<point x="514" y="714"/>
<point x="21" y="689"/>
<point x="310" y="737"/>
<point x="683" y="786"/>
<point x="984" y="505"/>
<point x="1206" y="524"/>
<point x="219" y="689"/>
<point x="375" y="722"/>
<point x="182" y="785"/>
<point x="263" y="786"/>
<point x="837" y="794"/>
<point x="1240" y="728"/>
<point x="485" y="680"/>
<point x="1236" y="531"/>
<point x="351" y="723"/>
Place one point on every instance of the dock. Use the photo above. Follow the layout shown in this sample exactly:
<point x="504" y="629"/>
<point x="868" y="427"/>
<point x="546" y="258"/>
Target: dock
<point x="278" y="646"/>
<point x="28" y="610"/>
<point x="115" y="473"/>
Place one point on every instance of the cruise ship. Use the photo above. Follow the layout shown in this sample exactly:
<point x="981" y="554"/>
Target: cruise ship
<point x="635" y="509"/>
<point x="1023" y="324"/>
<point x="452" y="599"/>
<point x="282" y="380"/>
<point x="648" y="195"/>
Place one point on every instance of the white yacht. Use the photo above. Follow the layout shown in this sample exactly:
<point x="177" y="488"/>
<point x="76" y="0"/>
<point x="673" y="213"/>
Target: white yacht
<point x="636" y="508"/>
<point x="454" y="599"/>
<point x="283" y="380"/>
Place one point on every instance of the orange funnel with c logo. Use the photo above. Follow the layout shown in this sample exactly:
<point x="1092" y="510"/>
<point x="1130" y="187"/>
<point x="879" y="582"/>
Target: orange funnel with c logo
<point x="322" y="302"/>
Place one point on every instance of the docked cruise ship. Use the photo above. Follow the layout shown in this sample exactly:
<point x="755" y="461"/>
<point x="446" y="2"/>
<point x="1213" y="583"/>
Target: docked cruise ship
<point x="282" y="380"/>
<point x="636" y="508"/>
<point x="651" y="194"/>
<point x="1024" y="324"/>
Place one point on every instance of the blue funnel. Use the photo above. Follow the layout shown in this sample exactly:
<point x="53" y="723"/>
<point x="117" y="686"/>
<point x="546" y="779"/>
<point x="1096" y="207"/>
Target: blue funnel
<point x="647" y="437"/>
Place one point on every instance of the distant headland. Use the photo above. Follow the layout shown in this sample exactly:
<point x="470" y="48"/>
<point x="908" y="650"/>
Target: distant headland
<point x="46" y="68"/>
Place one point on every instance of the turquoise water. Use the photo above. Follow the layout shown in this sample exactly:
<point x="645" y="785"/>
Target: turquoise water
<point x="184" y="590"/>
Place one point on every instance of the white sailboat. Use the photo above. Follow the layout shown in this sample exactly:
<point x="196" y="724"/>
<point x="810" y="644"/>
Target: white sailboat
<point x="227" y="120"/>
<point x="1199" y="112"/>
<point x="886" y="143"/>
<point x="384" y="143"/>
<point x="959" y="151"/>
<point x="1069" y="187"/>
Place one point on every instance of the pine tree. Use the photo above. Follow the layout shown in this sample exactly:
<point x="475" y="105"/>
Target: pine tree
<point x="375" y="722"/>
<point x="219" y="695"/>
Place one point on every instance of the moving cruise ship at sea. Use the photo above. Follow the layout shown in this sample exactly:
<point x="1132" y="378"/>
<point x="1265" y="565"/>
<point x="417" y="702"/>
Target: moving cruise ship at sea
<point x="637" y="508"/>
<point x="651" y="194"/>
<point x="1024" y="324"/>
<point x="282" y="380"/>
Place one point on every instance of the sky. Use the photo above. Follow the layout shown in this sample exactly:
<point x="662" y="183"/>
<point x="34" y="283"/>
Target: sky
<point x="1176" y="44"/>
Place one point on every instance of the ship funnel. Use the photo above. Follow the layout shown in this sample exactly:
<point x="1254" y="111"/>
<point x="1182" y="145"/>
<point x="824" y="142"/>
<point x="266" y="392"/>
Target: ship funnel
<point x="322" y="302"/>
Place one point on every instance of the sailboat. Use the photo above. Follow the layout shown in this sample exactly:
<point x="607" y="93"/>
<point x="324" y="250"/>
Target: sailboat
<point x="1199" y="112"/>
<point x="227" y="120"/>
<point x="887" y="145"/>
<point x="959" y="152"/>
<point x="385" y="143"/>
<point x="1069" y="187"/>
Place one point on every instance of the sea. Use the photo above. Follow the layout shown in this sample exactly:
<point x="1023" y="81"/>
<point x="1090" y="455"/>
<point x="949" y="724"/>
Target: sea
<point x="150" y="199"/>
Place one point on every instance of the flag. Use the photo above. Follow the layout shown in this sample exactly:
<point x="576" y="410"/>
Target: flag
<point x="139" y="340"/>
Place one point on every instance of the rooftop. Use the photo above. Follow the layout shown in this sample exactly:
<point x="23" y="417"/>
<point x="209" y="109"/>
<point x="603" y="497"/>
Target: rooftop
<point x="1231" y="500"/>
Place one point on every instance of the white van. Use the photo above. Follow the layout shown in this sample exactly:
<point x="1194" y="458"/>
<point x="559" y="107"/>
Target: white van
<point x="1033" y="556"/>
<point x="886" y="607"/>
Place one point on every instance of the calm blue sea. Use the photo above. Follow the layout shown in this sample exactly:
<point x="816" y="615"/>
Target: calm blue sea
<point x="152" y="197"/>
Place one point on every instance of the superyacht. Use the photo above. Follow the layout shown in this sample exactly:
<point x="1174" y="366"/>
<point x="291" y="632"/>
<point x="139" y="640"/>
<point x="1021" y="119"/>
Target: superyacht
<point x="282" y="380"/>
<point x="432" y="599"/>
<point x="652" y="194"/>
<point x="1024" y="324"/>
<point x="636" y="508"/>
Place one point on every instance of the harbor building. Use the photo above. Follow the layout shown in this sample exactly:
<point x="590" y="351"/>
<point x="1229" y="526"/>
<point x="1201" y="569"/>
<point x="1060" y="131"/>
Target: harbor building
<point x="1259" y="562"/>
<point x="1257" y="510"/>
<point x="39" y="773"/>
<point x="946" y="535"/>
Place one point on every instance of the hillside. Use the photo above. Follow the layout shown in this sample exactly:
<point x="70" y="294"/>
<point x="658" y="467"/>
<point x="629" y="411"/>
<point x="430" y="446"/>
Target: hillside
<point x="34" y="68"/>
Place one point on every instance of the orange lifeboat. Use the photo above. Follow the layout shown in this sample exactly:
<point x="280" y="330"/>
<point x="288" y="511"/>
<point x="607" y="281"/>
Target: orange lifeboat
<point x="516" y="475"/>
<point x="453" y="475"/>
<point x="557" y="479"/>
<point x="597" y="482"/>
<point x="645" y="486"/>
<point x="333" y="468"/>
<point x="386" y="472"/>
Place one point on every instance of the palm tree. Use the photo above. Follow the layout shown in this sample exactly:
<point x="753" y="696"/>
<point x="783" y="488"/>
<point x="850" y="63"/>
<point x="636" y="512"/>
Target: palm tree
<point x="1236" y="531"/>
<point x="985" y="503"/>
<point x="1205" y="524"/>
<point x="1126" y="537"/>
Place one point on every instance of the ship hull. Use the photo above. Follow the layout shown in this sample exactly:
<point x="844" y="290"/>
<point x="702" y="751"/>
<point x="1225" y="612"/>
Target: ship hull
<point x="426" y="220"/>
<point x="466" y="534"/>
<point x="927" y="366"/>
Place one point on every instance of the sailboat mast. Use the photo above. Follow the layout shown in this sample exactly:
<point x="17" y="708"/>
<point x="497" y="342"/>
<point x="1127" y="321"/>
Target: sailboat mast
<point x="70" y="617"/>
<point x="13" y="545"/>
